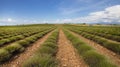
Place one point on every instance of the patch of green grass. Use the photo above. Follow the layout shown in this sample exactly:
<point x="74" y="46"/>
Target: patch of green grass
<point x="4" y="41"/>
<point x="94" y="59"/>
<point x="41" y="61"/>
<point x="15" y="47"/>
<point x="113" y="46"/>
<point x="47" y="50"/>
<point x="50" y="44"/>
<point x="83" y="48"/>
<point x="24" y="43"/>
<point x="1" y="38"/>
<point x="31" y="40"/>
<point x="15" y="38"/>
<point x="4" y="55"/>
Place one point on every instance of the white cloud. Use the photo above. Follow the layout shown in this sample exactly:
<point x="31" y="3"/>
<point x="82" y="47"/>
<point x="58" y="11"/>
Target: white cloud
<point x="7" y="20"/>
<point x="110" y="14"/>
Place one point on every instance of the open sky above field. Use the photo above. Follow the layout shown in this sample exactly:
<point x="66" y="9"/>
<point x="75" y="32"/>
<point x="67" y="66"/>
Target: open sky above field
<point x="59" y="11"/>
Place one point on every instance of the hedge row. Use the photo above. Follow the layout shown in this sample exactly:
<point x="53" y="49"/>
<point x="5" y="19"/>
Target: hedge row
<point x="108" y="36"/>
<point x="19" y="37"/>
<point x="7" y="33"/>
<point x="45" y="55"/>
<point x="11" y="39"/>
<point x="10" y="50"/>
<point x="25" y="31"/>
<point x="90" y="56"/>
<point x="100" y="31"/>
<point x="112" y="30"/>
<point x="114" y="46"/>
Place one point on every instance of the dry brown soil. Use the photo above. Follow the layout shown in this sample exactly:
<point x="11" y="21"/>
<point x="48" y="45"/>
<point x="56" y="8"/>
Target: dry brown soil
<point x="67" y="55"/>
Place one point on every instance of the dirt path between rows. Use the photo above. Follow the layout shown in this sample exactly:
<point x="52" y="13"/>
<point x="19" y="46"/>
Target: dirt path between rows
<point x="113" y="57"/>
<point x="67" y="54"/>
<point x="19" y="59"/>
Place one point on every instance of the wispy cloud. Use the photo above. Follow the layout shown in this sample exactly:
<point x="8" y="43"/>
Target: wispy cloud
<point x="76" y="6"/>
<point x="110" y="15"/>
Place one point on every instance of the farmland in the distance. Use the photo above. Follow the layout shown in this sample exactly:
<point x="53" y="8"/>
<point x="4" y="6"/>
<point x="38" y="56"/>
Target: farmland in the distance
<point x="59" y="45"/>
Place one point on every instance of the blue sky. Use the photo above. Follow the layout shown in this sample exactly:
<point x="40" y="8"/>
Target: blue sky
<point x="38" y="11"/>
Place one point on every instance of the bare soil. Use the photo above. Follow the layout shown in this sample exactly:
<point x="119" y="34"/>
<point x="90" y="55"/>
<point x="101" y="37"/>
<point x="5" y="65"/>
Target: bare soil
<point x="19" y="59"/>
<point x="113" y="57"/>
<point x="67" y="55"/>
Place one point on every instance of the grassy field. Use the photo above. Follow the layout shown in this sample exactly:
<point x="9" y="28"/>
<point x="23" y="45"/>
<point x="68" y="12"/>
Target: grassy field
<point x="49" y="45"/>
